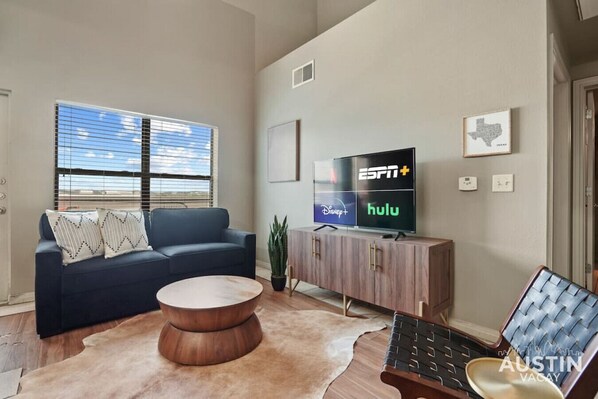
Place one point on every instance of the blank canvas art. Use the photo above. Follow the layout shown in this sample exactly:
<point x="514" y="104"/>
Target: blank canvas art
<point x="283" y="152"/>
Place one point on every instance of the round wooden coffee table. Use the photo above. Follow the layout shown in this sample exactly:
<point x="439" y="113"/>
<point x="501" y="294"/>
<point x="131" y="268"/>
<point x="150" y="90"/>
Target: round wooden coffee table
<point x="210" y="319"/>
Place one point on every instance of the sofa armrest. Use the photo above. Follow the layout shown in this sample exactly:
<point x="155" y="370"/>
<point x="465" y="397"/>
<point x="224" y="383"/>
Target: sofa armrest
<point x="48" y="288"/>
<point x="247" y="241"/>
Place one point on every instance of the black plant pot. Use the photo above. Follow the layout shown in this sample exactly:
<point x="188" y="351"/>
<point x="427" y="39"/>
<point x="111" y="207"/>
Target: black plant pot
<point x="278" y="282"/>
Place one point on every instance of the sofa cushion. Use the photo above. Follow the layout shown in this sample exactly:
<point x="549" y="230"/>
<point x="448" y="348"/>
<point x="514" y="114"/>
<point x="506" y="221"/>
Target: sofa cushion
<point x="99" y="273"/>
<point x="45" y="231"/>
<point x="192" y="258"/>
<point x="122" y="231"/>
<point x="77" y="234"/>
<point x="187" y="226"/>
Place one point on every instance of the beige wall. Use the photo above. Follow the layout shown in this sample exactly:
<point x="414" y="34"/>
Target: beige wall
<point x="403" y="73"/>
<point x="280" y="26"/>
<point x="185" y="59"/>
<point x="331" y="12"/>
<point x="587" y="70"/>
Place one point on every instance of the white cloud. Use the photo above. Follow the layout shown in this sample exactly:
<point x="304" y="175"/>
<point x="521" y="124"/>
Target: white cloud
<point x="133" y="161"/>
<point x="82" y="134"/>
<point x="128" y="123"/>
<point x="177" y="160"/>
<point x="91" y="154"/>
<point x="102" y="115"/>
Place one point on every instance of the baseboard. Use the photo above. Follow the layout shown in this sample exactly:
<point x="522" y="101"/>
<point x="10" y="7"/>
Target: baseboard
<point x="7" y="310"/>
<point x="262" y="264"/>
<point x="483" y="333"/>
<point x="21" y="298"/>
<point x="480" y="332"/>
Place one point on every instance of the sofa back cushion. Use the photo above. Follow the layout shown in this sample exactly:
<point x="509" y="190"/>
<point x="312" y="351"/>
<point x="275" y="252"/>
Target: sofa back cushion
<point x="45" y="232"/>
<point x="187" y="226"/>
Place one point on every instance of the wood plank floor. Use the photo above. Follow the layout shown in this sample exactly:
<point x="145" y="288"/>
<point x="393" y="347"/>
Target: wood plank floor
<point x="21" y="347"/>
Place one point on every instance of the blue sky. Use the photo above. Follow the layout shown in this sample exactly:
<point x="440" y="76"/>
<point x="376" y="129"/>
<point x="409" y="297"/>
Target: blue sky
<point x="103" y="140"/>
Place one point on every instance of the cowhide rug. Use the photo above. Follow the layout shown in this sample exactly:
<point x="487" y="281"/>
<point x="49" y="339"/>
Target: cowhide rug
<point x="300" y="355"/>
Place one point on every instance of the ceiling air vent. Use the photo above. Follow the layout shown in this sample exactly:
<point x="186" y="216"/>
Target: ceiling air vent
<point x="303" y="74"/>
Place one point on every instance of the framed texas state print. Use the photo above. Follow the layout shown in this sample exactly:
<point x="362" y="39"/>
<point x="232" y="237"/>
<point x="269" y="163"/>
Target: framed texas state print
<point x="487" y="134"/>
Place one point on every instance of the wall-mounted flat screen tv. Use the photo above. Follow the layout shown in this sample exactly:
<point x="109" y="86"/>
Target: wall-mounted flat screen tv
<point x="370" y="190"/>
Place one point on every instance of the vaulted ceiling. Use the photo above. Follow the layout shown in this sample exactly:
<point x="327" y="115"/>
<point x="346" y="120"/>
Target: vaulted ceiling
<point x="580" y="38"/>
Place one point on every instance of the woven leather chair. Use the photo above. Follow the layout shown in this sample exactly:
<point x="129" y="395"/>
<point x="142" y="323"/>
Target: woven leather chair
<point x="553" y="317"/>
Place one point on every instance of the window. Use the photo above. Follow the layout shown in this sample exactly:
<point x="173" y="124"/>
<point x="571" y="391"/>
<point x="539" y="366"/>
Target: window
<point x="114" y="159"/>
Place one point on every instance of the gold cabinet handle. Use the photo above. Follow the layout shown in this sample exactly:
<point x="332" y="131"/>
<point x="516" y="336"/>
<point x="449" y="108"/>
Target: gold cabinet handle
<point x="317" y="247"/>
<point x="370" y="256"/>
<point x="313" y="246"/>
<point x="375" y="265"/>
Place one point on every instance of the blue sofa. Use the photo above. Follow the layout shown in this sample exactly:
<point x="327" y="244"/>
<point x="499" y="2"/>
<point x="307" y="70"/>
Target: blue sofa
<point x="186" y="242"/>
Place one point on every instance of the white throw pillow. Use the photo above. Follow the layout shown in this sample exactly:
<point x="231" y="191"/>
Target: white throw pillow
<point x="123" y="232"/>
<point x="77" y="234"/>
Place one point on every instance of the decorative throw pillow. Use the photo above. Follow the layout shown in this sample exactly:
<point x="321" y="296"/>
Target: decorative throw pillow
<point x="77" y="234"/>
<point x="123" y="232"/>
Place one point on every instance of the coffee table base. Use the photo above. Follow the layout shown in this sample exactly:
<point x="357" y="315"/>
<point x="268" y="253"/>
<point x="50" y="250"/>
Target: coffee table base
<point x="212" y="347"/>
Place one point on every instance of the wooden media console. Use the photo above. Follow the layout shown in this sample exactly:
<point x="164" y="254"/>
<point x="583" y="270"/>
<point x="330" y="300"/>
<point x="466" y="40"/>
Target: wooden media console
<point x="412" y="274"/>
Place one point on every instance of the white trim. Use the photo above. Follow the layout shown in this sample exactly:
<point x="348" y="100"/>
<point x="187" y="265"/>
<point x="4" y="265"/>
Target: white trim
<point x="480" y="332"/>
<point x="132" y="113"/>
<point x="578" y="245"/>
<point x="21" y="298"/>
<point x="8" y="94"/>
<point x="559" y="83"/>
<point x="262" y="264"/>
<point x="14" y="309"/>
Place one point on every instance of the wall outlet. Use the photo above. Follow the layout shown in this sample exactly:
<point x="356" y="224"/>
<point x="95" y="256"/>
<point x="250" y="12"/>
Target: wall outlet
<point x="468" y="183"/>
<point x="502" y="183"/>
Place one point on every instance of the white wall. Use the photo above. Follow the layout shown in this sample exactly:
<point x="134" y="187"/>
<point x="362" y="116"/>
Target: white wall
<point x="331" y="12"/>
<point x="403" y="73"/>
<point x="185" y="59"/>
<point x="280" y="26"/>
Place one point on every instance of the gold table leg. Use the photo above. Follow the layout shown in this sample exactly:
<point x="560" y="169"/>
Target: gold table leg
<point x="346" y="304"/>
<point x="291" y="286"/>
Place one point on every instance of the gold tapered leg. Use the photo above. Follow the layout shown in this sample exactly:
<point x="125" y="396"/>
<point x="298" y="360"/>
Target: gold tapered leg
<point x="291" y="286"/>
<point x="347" y="302"/>
<point x="290" y="280"/>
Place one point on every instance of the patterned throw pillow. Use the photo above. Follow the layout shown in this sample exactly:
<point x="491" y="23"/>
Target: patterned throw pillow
<point x="123" y="232"/>
<point x="77" y="234"/>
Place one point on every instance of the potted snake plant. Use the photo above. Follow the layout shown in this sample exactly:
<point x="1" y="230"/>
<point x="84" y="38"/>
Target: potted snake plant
<point x="278" y="252"/>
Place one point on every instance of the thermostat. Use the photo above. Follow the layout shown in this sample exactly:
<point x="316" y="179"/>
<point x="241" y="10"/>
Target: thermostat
<point x="468" y="183"/>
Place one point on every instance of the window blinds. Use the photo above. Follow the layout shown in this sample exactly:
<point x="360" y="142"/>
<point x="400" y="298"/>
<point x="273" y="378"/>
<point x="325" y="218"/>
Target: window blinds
<point x="112" y="159"/>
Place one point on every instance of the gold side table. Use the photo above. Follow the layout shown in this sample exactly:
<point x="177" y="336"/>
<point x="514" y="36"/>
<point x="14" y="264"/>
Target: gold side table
<point x="486" y="378"/>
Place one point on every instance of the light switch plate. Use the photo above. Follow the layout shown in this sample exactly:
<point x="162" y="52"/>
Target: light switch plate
<point x="468" y="183"/>
<point x="502" y="184"/>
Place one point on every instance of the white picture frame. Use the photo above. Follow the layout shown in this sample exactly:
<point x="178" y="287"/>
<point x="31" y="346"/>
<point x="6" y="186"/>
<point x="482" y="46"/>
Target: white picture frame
<point x="487" y="134"/>
<point x="283" y="152"/>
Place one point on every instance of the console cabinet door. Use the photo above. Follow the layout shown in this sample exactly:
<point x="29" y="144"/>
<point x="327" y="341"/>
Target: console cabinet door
<point x="328" y="261"/>
<point x="302" y="256"/>
<point x="395" y="276"/>
<point x="358" y="277"/>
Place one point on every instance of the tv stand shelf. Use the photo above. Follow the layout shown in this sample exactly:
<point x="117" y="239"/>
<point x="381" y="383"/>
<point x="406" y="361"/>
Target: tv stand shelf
<point x="412" y="274"/>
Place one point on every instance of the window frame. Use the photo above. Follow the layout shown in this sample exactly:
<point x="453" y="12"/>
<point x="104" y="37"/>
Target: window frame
<point x="145" y="175"/>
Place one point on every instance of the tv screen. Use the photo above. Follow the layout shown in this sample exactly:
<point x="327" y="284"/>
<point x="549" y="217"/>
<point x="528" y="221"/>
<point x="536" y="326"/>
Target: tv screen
<point x="370" y="190"/>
